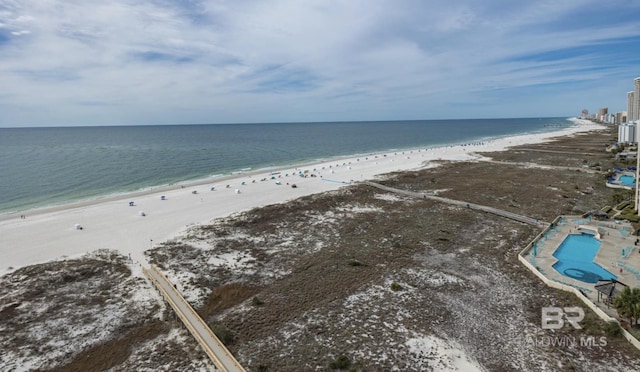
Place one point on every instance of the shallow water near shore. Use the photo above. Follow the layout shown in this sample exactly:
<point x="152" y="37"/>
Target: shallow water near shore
<point x="51" y="166"/>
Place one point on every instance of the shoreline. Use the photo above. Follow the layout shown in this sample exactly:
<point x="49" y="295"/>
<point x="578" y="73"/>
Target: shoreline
<point x="49" y="233"/>
<point x="94" y="198"/>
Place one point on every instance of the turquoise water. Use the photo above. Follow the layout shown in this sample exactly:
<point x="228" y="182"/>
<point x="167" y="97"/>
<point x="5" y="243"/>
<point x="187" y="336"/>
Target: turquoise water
<point x="49" y="166"/>
<point x="575" y="259"/>
<point x="627" y="180"/>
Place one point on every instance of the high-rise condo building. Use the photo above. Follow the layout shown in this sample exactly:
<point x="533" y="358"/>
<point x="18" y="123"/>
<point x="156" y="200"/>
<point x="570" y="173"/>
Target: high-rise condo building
<point x="627" y="133"/>
<point x="636" y="98"/>
<point x="630" y="106"/>
<point x="584" y="114"/>
<point x="602" y="113"/>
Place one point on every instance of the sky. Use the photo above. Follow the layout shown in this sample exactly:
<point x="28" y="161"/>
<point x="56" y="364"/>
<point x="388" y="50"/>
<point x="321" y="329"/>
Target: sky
<point x="139" y="62"/>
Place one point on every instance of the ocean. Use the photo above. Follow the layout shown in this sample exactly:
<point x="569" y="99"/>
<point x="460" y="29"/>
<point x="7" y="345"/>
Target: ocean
<point x="49" y="166"/>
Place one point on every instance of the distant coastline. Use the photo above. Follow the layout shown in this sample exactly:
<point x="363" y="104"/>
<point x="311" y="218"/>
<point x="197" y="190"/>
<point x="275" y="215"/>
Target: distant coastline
<point x="49" y="167"/>
<point x="111" y="223"/>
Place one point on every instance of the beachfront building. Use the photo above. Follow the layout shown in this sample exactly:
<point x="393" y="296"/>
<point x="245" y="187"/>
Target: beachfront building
<point x="627" y="133"/>
<point x="630" y="106"/>
<point x="602" y="114"/>
<point x="621" y="117"/>
<point x="584" y="114"/>
<point x="637" y="191"/>
<point x="636" y="99"/>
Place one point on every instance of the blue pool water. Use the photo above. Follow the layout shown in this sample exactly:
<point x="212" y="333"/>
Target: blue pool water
<point x="575" y="259"/>
<point x="627" y="180"/>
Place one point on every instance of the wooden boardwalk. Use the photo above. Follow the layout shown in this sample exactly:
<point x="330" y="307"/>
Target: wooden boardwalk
<point x="499" y="212"/>
<point x="215" y="349"/>
<point x="543" y="166"/>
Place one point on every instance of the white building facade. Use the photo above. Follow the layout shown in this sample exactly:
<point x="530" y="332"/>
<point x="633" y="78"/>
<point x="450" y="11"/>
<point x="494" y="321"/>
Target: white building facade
<point x="627" y="133"/>
<point x="630" y="106"/>
<point x="636" y="99"/>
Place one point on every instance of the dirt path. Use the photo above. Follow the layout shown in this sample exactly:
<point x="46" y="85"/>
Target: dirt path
<point x="464" y="204"/>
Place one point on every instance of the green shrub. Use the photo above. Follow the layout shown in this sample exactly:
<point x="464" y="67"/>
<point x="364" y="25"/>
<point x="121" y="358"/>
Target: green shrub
<point x="591" y="324"/>
<point x="223" y="334"/>
<point x="635" y="332"/>
<point x="613" y="329"/>
<point x="630" y="217"/>
<point x="256" y="301"/>
<point x="356" y="263"/>
<point x="396" y="287"/>
<point x="342" y="362"/>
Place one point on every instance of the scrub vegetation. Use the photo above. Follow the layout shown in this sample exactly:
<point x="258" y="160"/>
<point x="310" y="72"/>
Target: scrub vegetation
<point x="354" y="279"/>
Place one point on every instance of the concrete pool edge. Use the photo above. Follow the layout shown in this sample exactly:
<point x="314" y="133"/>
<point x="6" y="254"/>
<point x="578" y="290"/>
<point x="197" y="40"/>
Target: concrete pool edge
<point x="616" y="183"/>
<point x="569" y="288"/>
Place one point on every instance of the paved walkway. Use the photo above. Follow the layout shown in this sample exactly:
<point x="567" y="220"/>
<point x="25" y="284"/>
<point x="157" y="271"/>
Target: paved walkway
<point x="561" y="152"/>
<point x="542" y="166"/>
<point x="499" y="212"/>
<point x="218" y="353"/>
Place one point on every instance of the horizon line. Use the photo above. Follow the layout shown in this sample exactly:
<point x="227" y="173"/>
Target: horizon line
<point x="274" y="122"/>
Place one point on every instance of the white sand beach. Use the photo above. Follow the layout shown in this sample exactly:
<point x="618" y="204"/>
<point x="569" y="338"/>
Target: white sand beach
<point x="51" y="234"/>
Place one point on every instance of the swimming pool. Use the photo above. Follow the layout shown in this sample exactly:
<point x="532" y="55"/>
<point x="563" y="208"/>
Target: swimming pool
<point x="575" y="259"/>
<point x="627" y="180"/>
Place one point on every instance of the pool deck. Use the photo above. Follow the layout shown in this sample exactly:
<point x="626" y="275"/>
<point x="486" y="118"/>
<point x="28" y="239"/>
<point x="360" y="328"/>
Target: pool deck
<point x="615" y="237"/>
<point x="617" y="182"/>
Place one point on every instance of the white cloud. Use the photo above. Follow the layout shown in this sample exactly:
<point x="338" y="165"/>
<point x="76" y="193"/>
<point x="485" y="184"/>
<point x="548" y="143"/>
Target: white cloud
<point x="215" y="61"/>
